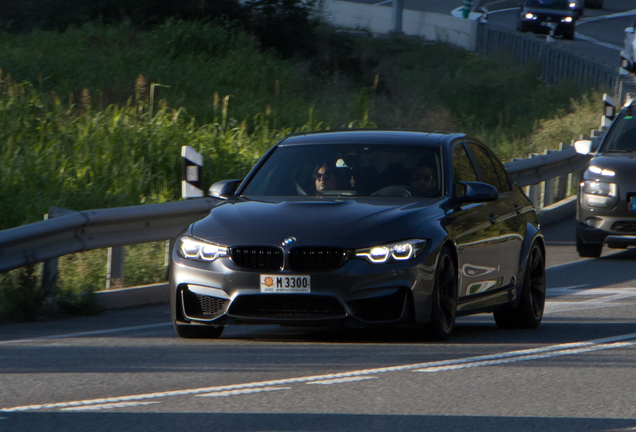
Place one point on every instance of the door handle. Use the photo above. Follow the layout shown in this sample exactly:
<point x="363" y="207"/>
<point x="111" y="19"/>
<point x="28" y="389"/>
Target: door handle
<point x="493" y="218"/>
<point x="517" y="208"/>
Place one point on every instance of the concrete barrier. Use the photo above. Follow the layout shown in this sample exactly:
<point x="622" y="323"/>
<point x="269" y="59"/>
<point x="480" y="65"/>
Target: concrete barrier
<point x="377" y="20"/>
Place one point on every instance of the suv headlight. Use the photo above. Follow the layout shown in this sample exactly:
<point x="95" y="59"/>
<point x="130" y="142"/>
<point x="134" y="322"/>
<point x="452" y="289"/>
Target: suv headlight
<point x="530" y="16"/>
<point x="197" y="250"/>
<point x="400" y="251"/>
<point x="597" y="194"/>
<point x="567" y="20"/>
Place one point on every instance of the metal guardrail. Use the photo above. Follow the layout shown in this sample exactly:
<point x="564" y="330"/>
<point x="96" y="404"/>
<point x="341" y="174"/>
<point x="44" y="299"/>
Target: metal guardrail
<point x="97" y="229"/>
<point x="557" y="64"/>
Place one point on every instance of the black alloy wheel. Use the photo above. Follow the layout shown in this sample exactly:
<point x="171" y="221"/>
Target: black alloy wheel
<point x="444" y="306"/>
<point x="529" y="313"/>
<point x="198" y="331"/>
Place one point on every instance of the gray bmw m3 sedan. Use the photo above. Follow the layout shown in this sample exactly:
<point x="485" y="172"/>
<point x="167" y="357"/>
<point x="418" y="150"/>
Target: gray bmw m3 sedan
<point x="360" y="229"/>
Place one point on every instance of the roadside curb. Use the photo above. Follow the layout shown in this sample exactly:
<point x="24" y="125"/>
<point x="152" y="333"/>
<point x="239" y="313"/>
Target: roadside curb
<point x="134" y="296"/>
<point x="160" y="293"/>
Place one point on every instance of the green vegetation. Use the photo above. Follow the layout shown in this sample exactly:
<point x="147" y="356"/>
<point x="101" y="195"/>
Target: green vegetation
<point x="95" y="117"/>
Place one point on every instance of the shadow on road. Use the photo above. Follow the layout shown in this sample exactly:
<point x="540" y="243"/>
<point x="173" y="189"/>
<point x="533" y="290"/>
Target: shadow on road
<point x="247" y="422"/>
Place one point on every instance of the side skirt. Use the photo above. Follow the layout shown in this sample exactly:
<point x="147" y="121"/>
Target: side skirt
<point x="488" y="301"/>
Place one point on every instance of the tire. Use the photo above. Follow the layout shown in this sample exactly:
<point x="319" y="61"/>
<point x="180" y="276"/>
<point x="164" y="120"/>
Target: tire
<point x="198" y="332"/>
<point x="569" y="34"/>
<point x="444" y="306"/>
<point x="529" y="313"/>
<point x="588" y="250"/>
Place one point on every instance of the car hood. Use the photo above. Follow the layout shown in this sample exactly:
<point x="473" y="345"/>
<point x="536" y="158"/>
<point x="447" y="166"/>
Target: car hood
<point x="346" y="223"/>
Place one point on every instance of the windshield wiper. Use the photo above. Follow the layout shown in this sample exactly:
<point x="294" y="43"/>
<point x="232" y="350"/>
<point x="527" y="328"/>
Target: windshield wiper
<point x="621" y="151"/>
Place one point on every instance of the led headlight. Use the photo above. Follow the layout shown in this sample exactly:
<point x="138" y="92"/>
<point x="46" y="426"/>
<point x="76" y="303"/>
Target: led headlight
<point x="530" y="16"/>
<point x="401" y="251"/>
<point x="597" y="194"/>
<point x="200" y="251"/>
<point x="572" y="5"/>
<point x="601" y="171"/>
<point x="567" y="20"/>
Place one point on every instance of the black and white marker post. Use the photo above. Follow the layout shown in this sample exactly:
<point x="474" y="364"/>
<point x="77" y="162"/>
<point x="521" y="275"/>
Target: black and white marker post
<point x="609" y="111"/>
<point x="191" y="169"/>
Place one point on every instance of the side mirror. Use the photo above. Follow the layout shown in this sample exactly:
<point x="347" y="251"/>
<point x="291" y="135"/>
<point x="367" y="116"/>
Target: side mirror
<point x="224" y="189"/>
<point x="629" y="30"/>
<point x="477" y="192"/>
<point x="583" y="146"/>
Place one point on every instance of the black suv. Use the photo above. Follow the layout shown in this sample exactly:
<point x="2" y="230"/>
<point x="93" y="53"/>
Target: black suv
<point x="539" y="16"/>
<point x="606" y="210"/>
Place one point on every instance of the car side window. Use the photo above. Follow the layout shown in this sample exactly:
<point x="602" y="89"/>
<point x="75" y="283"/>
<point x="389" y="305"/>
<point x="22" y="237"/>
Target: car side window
<point x="463" y="169"/>
<point x="485" y="166"/>
<point x="501" y="173"/>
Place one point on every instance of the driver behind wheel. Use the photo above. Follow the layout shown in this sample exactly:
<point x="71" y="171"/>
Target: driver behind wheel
<point x="423" y="178"/>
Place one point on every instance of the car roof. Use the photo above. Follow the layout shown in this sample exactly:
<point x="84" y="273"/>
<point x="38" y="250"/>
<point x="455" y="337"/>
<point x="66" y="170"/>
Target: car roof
<point x="432" y="139"/>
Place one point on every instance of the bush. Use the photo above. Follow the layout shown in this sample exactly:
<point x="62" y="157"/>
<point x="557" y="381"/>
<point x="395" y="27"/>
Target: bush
<point x="21" y="298"/>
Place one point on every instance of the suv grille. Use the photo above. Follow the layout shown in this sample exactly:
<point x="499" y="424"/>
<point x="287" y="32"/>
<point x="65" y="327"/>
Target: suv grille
<point x="286" y="306"/>
<point x="317" y="258"/>
<point x="257" y="257"/>
<point x="624" y="226"/>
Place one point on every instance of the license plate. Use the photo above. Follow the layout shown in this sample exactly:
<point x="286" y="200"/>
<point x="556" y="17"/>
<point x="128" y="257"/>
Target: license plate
<point x="633" y="203"/>
<point x="285" y="284"/>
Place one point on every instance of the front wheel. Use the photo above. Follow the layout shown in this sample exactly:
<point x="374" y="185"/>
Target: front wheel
<point x="444" y="305"/>
<point x="529" y="313"/>
<point x="198" y="332"/>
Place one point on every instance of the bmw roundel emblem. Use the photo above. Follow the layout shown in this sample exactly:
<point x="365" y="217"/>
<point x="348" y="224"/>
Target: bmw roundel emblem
<point x="288" y="241"/>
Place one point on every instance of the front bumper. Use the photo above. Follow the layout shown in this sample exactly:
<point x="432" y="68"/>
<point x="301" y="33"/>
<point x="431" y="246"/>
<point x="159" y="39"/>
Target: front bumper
<point x="615" y="227"/>
<point x="356" y="294"/>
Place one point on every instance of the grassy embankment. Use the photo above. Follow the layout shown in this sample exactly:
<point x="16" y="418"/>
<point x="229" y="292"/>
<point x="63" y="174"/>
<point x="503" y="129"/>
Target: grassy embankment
<point x="83" y="125"/>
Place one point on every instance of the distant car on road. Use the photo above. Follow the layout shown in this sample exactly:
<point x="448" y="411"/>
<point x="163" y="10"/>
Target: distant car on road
<point x="628" y="54"/>
<point x="541" y="16"/>
<point x="363" y="229"/>
<point x="606" y="210"/>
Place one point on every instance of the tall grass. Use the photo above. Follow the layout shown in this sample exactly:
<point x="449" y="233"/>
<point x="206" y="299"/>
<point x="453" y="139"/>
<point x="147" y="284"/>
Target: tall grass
<point x="78" y="158"/>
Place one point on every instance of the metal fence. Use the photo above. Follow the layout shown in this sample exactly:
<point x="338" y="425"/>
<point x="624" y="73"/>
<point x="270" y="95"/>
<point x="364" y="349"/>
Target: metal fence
<point x="556" y="63"/>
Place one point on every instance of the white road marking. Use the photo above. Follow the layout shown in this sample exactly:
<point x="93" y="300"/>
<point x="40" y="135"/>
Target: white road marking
<point x="90" y="333"/>
<point x="527" y="357"/>
<point x="342" y="380"/>
<point x="240" y="392"/>
<point x="603" y="298"/>
<point x="597" y="42"/>
<point x="604" y="17"/>
<point x="357" y="373"/>
<point x="108" y="406"/>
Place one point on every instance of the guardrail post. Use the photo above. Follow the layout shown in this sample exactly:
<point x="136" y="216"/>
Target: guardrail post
<point x="396" y="16"/>
<point x="168" y="252"/>
<point x="49" y="274"/>
<point x="49" y="268"/>
<point x="115" y="271"/>
<point x="562" y="187"/>
<point x="548" y="189"/>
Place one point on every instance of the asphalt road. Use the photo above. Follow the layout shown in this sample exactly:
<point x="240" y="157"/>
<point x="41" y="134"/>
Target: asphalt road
<point x="127" y="370"/>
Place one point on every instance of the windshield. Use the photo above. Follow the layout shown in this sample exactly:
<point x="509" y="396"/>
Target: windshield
<point x="349" y="170"/>
<point x="622" y="136"/>
<point x="552" y="4"/>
